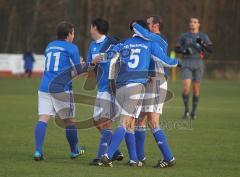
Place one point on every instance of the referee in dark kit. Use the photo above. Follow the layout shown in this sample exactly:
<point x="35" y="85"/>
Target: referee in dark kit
<point x="192" y="45"/>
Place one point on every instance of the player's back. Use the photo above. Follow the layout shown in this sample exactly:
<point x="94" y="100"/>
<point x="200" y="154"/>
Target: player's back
<point x="60" y="56"/>
<point x="134" y="67"/>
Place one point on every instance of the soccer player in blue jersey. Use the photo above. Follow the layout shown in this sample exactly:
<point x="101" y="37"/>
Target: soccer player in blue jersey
<point x="157" y="87"/>
<point x="130" y="87"/>
<point x="103" y="109"/>
<point x="55" y="97"/>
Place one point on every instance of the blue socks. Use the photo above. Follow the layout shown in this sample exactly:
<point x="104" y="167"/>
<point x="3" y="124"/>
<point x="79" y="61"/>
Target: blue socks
<point x="40" y="131"/>
<point x="71" y="135"/>
<point x="162" y="143"/>
<point x="140" y="136"/>
<point x="131" y="145"/>
<point x="104" y="142"/>
<point x="117" y="138"/>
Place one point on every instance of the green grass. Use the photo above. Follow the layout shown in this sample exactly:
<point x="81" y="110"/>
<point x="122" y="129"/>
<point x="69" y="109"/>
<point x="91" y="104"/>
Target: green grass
<point x="210" y="149"/>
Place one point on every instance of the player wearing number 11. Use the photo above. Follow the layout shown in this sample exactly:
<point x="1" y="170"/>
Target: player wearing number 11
<point x="61" y="56"/>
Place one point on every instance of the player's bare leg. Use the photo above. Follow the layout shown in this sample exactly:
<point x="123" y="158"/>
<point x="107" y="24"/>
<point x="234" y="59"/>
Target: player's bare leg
<point x="153" y="119"/>
<point x="44" y="118"/>
<point x="153" y="122"/>
<point x="195" y="99"/>
<point x="185" y="96"/>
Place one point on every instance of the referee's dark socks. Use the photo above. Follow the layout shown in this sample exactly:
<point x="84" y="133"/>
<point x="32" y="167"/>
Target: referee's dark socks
<point x="185" y="101"/>
<point x="195" y="100"/>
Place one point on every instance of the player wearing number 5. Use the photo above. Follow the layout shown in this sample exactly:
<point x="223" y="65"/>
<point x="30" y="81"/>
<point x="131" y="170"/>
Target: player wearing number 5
<point x="130" y="88"/>
<point x="55" y="95"/>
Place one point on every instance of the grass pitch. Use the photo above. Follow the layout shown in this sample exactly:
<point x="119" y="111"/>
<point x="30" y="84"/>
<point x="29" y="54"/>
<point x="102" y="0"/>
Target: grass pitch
<point x="209" y="147"/>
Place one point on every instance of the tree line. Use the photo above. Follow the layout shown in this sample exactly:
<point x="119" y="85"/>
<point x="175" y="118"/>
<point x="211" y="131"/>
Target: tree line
<point x="30" y="24"/>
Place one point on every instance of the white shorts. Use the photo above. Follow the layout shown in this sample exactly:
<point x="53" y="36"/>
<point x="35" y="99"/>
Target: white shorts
<point x="155" y="95"/>
<point x="60" y="104"/>
<point x="129" y="99"/>
<point x="104" y="106"/>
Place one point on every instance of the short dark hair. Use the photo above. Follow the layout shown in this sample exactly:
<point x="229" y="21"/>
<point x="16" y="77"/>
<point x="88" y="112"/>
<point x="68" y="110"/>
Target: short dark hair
<point x="63" y="29"/>
<point x="101" y="25"/>
<point x="196" y="17"/>
<point x="142" y="23"/>
<point x="157" y="19"/>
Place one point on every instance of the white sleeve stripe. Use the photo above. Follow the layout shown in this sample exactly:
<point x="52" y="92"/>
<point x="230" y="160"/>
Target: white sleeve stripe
<point x="71" y="61"/>
<point x="164" y="63"/>
<point x="112" y="68"/>
<point x="161" y="40"/>
<point x="138" y="33"/>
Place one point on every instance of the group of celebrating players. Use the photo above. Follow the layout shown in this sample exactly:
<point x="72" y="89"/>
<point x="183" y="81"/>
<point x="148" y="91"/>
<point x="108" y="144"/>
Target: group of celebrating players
<point x="132" y="85"/>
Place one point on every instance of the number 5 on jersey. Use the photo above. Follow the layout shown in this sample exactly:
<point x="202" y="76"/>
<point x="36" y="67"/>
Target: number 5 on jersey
<point x="134" y="58"/>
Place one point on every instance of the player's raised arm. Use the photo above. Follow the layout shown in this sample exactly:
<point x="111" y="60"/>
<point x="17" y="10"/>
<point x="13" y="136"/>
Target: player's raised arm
<point x="147" y="35"/>
<point x="158" y="55"/>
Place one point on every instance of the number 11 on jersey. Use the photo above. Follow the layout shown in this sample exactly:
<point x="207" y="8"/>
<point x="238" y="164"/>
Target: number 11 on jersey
<point x="56" y="56"/>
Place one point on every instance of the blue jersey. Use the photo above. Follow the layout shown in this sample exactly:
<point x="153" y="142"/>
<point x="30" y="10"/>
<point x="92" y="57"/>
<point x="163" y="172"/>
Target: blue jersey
<point x="60" y="56"/>
<point x="95" y="49"/>
<point x="28" y="60"/>
<point x="161" y="40"/>
<point x="135" y="66"/>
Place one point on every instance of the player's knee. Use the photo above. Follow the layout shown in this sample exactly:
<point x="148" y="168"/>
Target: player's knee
<point x="186" y="90"/>
<point x="44" y="118"/>
<point x="130" y="127"/>
<point x="140" y="122"/>
<point x="103" y="123"/>
<point x="186" y="87"/>
<point x="196" y="91"/>
<point x="127" y="122"/>
<point x="153" y="123"/>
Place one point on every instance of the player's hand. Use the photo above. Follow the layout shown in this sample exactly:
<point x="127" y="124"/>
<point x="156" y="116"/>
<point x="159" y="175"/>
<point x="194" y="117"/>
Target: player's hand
<point x="112" y="87"/>
<point x="200" y="41"/>
<point x="132" y="24"/>
<point x="150" y="80"/>
<point x="97" y="59"/>
<point x="187" y="51"/>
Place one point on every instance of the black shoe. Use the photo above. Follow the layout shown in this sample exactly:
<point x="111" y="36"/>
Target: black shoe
<point x="132" y="163"/>
<point x="186" y="115"/>
<point x="106" y="161"/>
<point x="96" y="162"/>
<point x="193" y="116"/>
<point x="119" y="157"/>
<point x="165" y="164"/>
